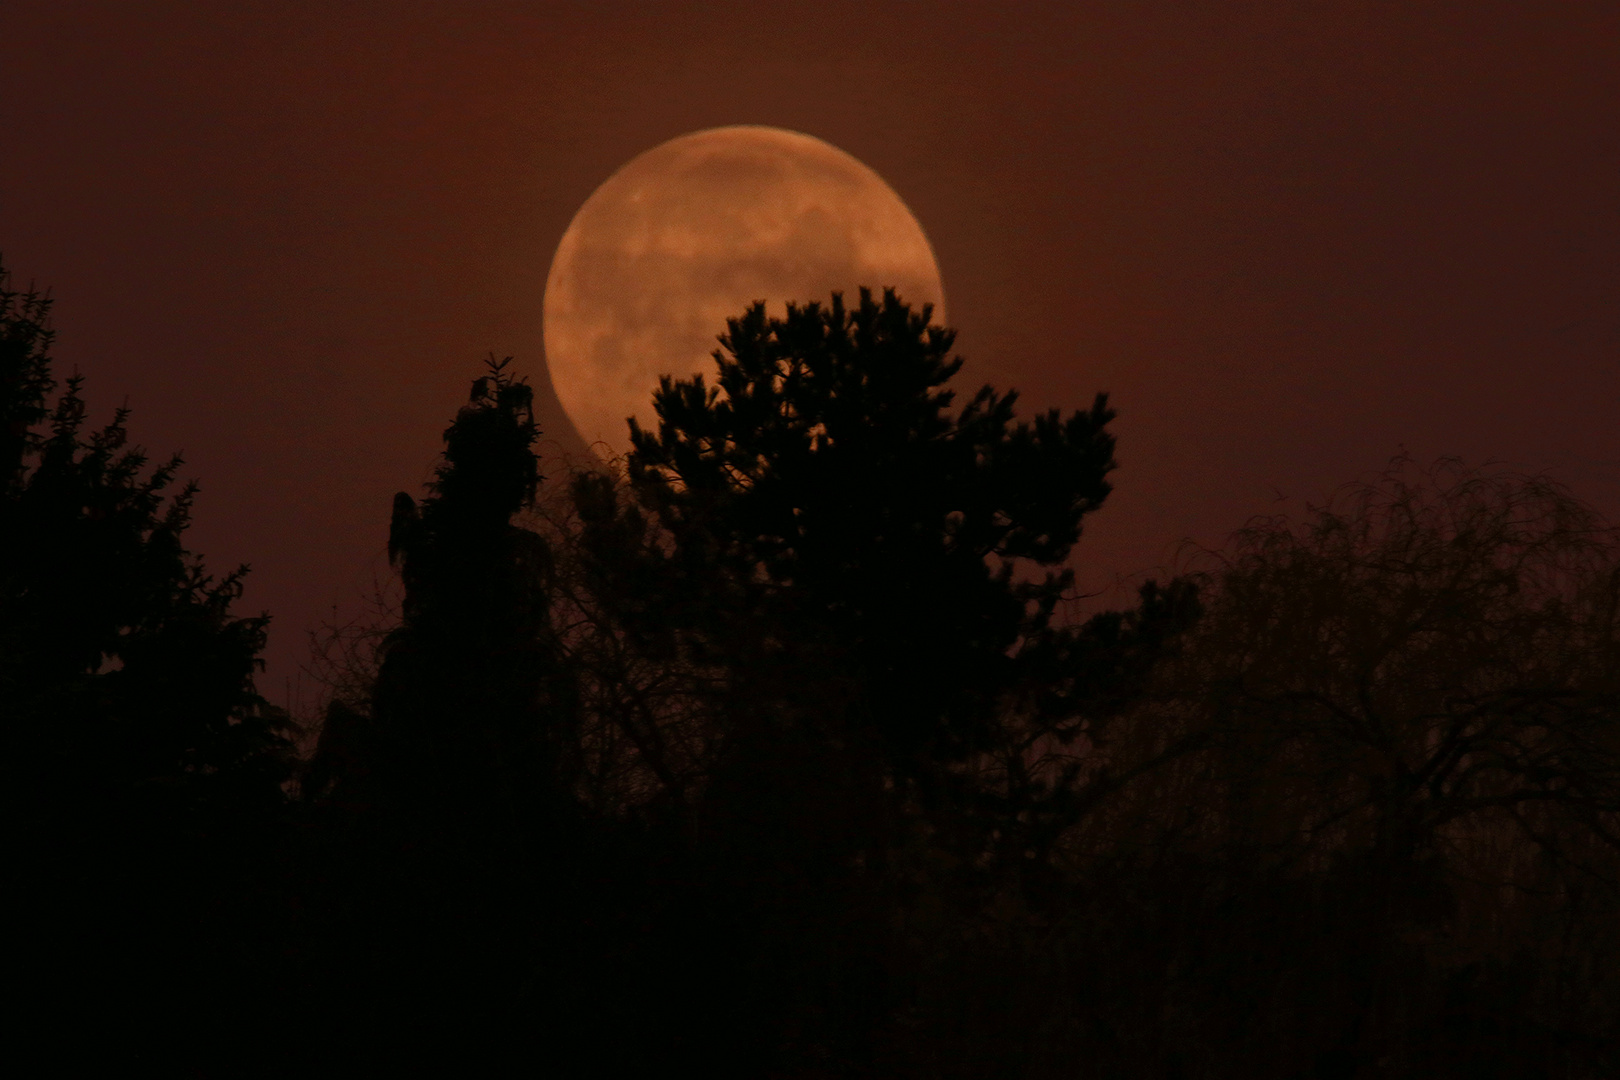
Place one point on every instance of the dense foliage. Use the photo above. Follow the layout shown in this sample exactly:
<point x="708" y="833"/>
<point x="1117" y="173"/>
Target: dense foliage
<point x="775" y="750"/>
<point x="1381" y="833"/>
<point x="147" y="770"/>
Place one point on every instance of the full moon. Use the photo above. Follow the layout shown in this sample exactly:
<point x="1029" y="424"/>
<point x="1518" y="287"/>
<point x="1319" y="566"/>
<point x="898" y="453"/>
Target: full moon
<point x="694" y="231"/>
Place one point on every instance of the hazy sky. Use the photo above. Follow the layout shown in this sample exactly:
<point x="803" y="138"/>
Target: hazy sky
<point x="1289" y="238"/>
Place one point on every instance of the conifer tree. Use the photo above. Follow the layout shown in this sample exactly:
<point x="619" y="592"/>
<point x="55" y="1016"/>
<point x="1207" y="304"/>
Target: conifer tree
<point x="121" y="655"/>
<point x="876" y="575"/>
<point x="460" y="700"/>
<point x="451" y="795"/>
<point x="846" y="514"/>
<point x="145" y="766"/>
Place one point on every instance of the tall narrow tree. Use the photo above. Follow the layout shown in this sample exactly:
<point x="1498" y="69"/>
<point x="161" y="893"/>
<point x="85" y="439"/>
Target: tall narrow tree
<point x="454" y="787"/>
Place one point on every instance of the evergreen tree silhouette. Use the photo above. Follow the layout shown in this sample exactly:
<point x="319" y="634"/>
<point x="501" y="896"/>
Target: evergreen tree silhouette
<point x="465" y="677"/>
<point x="147" y="768"/>
<point x="457" y="784"/>
<point x="849" y="512"/>
<point x="877" y="576"/>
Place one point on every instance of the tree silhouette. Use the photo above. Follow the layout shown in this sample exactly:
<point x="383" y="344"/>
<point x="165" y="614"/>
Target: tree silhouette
<point x="147" y="768"/>
<point x="117" y="643"/>
<point x="779" y="752"/>
<point x="1388" y="837"/>
<point x="867" y="579"/>
<point x="829" y="488"/>
<point x="451" y="795"/>
<point x="1442" y="650"/>
<point x="456" y="710"/>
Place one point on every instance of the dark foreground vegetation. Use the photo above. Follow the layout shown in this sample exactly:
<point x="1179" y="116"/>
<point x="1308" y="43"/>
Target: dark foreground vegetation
<point x="777" y="751"/>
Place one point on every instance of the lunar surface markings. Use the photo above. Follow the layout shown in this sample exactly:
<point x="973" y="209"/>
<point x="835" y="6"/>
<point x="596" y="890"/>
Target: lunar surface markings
<point x="692" y="232"/>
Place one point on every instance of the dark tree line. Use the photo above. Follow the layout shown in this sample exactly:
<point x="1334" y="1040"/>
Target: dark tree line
<point x="773" y="750"/>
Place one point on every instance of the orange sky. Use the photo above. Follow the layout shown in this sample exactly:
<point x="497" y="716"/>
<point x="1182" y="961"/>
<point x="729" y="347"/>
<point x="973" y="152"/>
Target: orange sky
<point x="1290" y="239"/>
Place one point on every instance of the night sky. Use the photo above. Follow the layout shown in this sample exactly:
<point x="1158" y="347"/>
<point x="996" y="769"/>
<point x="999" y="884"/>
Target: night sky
<point x="1289" y="239"/>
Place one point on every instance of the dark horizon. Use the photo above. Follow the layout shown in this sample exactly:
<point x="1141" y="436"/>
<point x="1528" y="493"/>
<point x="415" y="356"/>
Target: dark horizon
<point x="776" y="754"/>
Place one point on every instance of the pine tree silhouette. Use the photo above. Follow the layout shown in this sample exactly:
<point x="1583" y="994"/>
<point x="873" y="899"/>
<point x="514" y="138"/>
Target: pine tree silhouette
<point x="146" y="768"/>
<point x="874" y="577"/>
